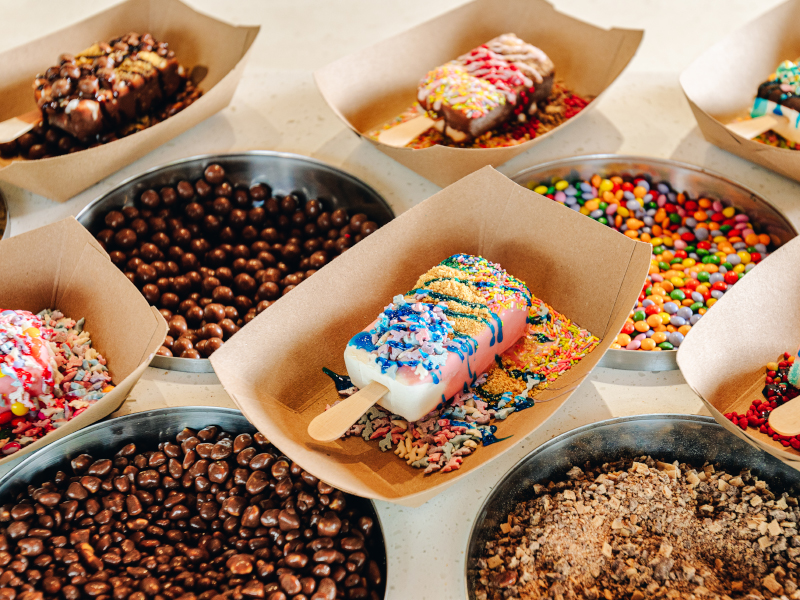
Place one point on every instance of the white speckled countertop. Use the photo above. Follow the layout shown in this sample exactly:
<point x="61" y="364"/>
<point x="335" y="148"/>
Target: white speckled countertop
<point x="277" y="107"/>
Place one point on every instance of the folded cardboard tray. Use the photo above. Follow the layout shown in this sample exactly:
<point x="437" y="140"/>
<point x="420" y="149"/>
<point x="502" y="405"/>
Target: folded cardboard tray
<point x="724" y="360"/>
<point x="62" y="266"/>
<point x="273" y="367"/>
<point x="721" y="83"/>
<point x="196" y="38"/>
<point x="370" y="87"/>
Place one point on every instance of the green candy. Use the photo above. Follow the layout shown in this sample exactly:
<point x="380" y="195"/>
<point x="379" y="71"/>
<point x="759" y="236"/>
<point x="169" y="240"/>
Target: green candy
<point x="648" y="290"/>
<point x="677" y="295"/>
<point x="674" y="218"/>
<point x="696" y="306"/>
<point x="666" y="346"/>
<point x="690" y="249"/>
<point x="727" y="265"/>
<point x="603" y="205"/>
<point x="663" y="266"/>
<point x="703" y="252"/>
<point x="658" y="249"/>
<point x="725" y="228"/>
<point x="639" y="315"/>
<point x="603" y="220"/>
<point x="676" y="260"/>
<point x="703" y="276"/>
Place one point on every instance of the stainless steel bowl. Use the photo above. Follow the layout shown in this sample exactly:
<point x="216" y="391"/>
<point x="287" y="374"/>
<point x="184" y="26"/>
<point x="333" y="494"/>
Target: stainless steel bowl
<point x="683" y="178"/>
<point x="686" y="438"/>
<point x="4" y="218"/>
<point x="105" y="438"/>
<point x="283" y="172"/>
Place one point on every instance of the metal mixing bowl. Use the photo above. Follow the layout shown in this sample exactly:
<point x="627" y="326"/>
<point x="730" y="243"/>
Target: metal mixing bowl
<point x="4" y="218"/>
<point x="285" y="173"/>
<point x="146" y="430"/>
<point x="686" y="438"/>
<point x="683" y="178"/>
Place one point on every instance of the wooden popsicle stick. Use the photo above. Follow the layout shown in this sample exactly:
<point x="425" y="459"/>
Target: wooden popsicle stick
<point x="334" y="422"/>
<point x="785" y="420"/>
<point x="750" y="128"/>
<point x="12" y="128"/>
<point x="402" y="135"/>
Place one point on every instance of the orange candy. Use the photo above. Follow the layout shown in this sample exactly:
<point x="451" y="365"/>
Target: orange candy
<point x="641" y="326"/>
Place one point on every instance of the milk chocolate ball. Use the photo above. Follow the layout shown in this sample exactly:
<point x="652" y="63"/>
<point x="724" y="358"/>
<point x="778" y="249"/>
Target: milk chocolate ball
<point x="214" y="313"/>
<point x="177" y="326"/>
<point x="245" y="284"/>
<point x="169" y="197"/>
<point x="339" y="218"/>
<point x="151" y="293"/>
<point x="150" y="199"/>
<point x="268" y="291"/>
<point x="319" y="259"/>
<point x="125" y="239"/>
<point x="260" y="192"/>
<point x="115" y="219"/>
<point x="214" y="174"/>
<point x="222" y="295"/>
<point x="185" y="190"/>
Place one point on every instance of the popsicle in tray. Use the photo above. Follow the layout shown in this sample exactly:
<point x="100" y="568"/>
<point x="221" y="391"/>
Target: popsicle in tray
<point x="107" y="84"/>
<point x="431" y="343"/>
<point x="492" y="83"/>
<point x="780" y="95"/>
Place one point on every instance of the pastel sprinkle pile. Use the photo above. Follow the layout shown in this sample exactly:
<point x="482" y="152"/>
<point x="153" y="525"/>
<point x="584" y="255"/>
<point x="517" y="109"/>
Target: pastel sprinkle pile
<point x="442" y="439"/>
<point x="55" y="373"/>
<point x="562" y="105"/>
<point x="700" y="249"/>
<point x="777" y="391"/>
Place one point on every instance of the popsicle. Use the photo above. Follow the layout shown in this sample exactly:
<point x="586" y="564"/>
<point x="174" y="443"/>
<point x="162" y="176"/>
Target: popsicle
<point x="777" y="103"/>
<point x="26" y="360"/>
<point x="487" y="86"/>
<point x="431" y="342"/>
<point x="107" y="84"/>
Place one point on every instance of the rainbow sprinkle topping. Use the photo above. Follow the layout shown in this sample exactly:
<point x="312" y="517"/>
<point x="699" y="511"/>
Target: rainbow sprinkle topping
<point x="451" y="85"/>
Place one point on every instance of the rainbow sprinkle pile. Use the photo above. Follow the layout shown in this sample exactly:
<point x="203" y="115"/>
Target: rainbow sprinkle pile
<point x="442" y="439"/>
<point x="73" y="376"/>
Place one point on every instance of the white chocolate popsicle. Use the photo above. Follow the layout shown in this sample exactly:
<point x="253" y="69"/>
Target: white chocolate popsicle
<point x="435" y="340"/>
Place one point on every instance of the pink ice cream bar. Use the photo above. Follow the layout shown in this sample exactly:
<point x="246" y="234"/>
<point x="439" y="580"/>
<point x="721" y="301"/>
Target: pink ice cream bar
<point x="435" y="340"/>
<point x="26" y="360"/>
<point x="480" y="90"/>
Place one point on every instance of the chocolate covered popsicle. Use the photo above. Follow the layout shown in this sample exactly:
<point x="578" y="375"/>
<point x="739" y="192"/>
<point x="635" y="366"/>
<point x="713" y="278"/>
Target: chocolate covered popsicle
<point x="487" y="86"/>
<point x="107" y="85"/>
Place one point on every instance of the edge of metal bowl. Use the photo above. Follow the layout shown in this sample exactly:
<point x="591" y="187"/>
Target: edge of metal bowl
<point x="211" y="411"/>
<point x="626" y="359"/>
<point x="5" y="218"/>
<point x="203" y="365"/>
<point x="490" y="498"/>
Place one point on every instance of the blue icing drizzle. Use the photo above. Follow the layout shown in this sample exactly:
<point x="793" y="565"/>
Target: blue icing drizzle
<point x="487" y="435"/>
<point x="342" y="382"/>
<point x="415" y="335"/>
<point x="363" y="341"/>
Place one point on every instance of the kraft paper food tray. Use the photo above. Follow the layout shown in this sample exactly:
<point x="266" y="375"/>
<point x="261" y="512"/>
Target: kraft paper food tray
<point x="372" y="86"/>
<point x="724" y="359"/>
<point x="273" y="367"/>
<point x="197" y="40"/>
<point x="721" y="83"/>
<point x="62" y="266"/>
